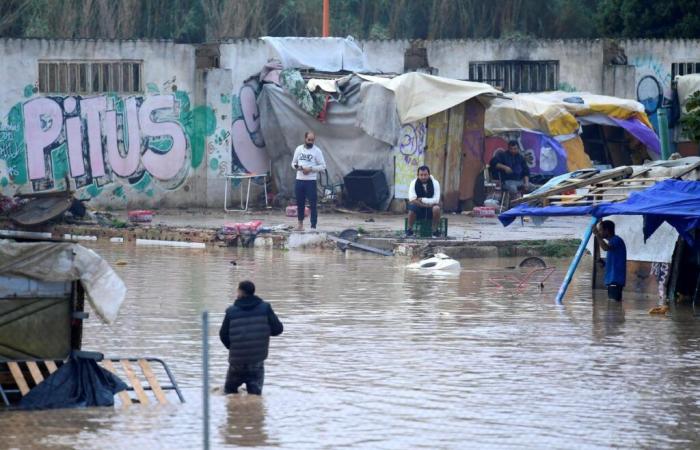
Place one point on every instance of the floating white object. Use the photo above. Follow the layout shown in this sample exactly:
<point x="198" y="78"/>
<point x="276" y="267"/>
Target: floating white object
<point x="437" y="262"/>
<point x="171" y="243"/>
<point x="116" y="240"/>
<point x="79" y="237"/>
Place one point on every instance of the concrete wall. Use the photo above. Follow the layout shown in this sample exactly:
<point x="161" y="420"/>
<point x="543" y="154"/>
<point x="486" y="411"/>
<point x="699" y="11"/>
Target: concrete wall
<point x="193" y="126"/>
<point x="652" y="59"/>
<point x="120" y="150"/>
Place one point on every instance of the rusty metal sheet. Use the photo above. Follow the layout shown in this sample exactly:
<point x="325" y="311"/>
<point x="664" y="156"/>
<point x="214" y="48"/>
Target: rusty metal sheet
<point x="40" y="210"/>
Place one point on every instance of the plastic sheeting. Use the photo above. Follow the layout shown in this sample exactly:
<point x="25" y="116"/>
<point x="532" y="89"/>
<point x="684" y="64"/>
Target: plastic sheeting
<point x="377" y="114"/>
<point x="322" y="54"/>
<point x="676" y="202"/>
<point x="584" y="103"/>
<point x="345" y="146"/>
<point x="61" y="261"/>
<point x="418" y="95"/>
<point x="79" y="383"/>
<point x="522" y="112"/>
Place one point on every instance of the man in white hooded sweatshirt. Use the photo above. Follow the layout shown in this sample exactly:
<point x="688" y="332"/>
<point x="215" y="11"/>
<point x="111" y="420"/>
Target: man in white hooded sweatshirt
<point x="424" y="200"/>
<point x="308" y="162"/>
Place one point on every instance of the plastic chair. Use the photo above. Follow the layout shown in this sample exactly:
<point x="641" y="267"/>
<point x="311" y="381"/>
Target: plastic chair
<point x="327" y="190"/>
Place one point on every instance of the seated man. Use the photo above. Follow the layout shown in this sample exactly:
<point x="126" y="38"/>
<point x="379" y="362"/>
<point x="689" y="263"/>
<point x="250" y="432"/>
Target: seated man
<point x="512" y="170"/>
<point x="423" y="200"/>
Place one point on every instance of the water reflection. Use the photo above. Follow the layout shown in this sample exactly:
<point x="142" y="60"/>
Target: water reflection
<point x="608" y="317"/>
<point x="376" y="356"/>
<point x="245" y="421"/>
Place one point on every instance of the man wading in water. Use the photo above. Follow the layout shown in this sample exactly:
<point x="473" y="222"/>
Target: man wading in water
<point x="245" y="332"/>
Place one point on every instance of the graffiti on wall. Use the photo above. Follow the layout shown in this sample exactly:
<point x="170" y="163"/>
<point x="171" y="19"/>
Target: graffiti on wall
<point x="653" y="82"/>
<point x="544" y="155"/>
<point x="148" y="143"/>
<point x="409" y="154"/>
<point x="248" y="153"/>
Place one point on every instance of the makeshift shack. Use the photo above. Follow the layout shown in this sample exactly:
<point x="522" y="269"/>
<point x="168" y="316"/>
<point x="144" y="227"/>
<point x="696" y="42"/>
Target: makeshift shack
<point x="391" y="124"/>
<point x="567" y="131"/>
<point x="43" y="288"/>
<point x="656" y="209"/>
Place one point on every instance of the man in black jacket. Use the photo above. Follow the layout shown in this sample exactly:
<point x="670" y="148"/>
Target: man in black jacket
<point x="246" y="330"/>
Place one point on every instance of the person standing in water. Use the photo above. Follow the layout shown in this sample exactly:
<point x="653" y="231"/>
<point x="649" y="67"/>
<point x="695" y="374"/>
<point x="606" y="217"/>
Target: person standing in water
<point x="245" y="332"/>
<point x="616" y="260"/>
<point x="308" y="162"/>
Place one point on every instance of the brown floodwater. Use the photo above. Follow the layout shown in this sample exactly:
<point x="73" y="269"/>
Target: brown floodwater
<point x="374" y="356"/>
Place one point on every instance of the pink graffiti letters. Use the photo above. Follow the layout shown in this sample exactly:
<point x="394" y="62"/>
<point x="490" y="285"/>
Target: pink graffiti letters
<point x="92" y="127"/>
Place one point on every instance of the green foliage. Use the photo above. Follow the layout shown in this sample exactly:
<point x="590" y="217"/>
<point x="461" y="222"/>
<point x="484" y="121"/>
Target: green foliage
<point x="691" y="121"/>
<point x="647" y="19"/>
<point x="201" y="20"/>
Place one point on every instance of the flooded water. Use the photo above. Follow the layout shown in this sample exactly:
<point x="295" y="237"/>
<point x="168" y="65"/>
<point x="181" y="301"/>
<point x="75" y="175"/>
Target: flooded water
<point x="374" y="356"/>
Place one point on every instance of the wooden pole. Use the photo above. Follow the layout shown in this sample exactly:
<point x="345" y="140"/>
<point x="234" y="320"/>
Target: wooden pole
<point x="326" y="18"/>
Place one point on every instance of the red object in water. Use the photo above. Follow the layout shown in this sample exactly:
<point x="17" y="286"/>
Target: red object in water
<point x="291" y="211"/>
<point x="141" y="215"/>
<point x="484" y="211"/>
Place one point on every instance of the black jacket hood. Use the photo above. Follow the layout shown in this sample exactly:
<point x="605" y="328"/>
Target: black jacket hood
<point x="248" y="302"/>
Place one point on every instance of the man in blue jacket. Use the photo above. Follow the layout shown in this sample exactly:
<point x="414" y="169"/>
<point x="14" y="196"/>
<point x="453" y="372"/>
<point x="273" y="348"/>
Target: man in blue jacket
<point x="245" y="332"/>
<point x="616" y="261"/>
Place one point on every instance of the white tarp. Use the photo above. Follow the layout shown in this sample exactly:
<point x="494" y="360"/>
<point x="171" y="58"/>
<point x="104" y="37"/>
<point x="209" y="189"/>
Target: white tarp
<point x="322" y="54"/>
<point x="419" y="95"/>
<point x="62" y="261"/>
<point x="658" y="248"/>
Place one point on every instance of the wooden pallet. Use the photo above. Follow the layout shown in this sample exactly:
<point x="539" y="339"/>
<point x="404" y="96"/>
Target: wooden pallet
<point x="610" y="186"/>
<point x="137" y="372"/>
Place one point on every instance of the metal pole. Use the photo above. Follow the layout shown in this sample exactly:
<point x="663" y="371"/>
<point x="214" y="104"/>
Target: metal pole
<point x="205" y="376"/>
<point x="577" y="258"/>
<point x="326" y="29"/>
<point x="662" y="115"/>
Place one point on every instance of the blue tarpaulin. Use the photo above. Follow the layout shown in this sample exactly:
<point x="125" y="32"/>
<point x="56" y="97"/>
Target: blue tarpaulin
<point x="674" y="201"/>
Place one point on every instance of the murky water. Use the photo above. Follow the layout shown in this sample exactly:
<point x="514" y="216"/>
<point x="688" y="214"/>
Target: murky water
<point x="374" y="356"/>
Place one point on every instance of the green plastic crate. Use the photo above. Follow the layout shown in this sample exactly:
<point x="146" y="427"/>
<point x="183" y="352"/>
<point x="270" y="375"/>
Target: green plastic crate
<point x="424" y="228"/>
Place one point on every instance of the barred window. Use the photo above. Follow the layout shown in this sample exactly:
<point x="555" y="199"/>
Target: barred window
<point x="517" y="76"/>
<point x="684" y="68"/>
<point x="90" y="77"/>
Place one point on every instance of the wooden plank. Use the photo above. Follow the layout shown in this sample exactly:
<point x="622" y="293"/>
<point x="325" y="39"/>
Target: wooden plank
<point x="436" y="143"/>
<point x="51" y="366"/>
<point x="558" y="197"/>
<point x="622" y="172"/>
<point x="472" y="150"/>
<point x="36" y="373"/>
<point x="689" y="169"/>
<point x="19" y="377"/>
<point x="123" y="395"/>
<point x="135" y="383"/>
<point x="453" y="157"/>
<point x="153" y="381"/>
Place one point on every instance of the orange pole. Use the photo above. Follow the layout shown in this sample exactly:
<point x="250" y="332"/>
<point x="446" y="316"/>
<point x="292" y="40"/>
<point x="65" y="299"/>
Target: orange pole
<point x="326" y="18"/>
